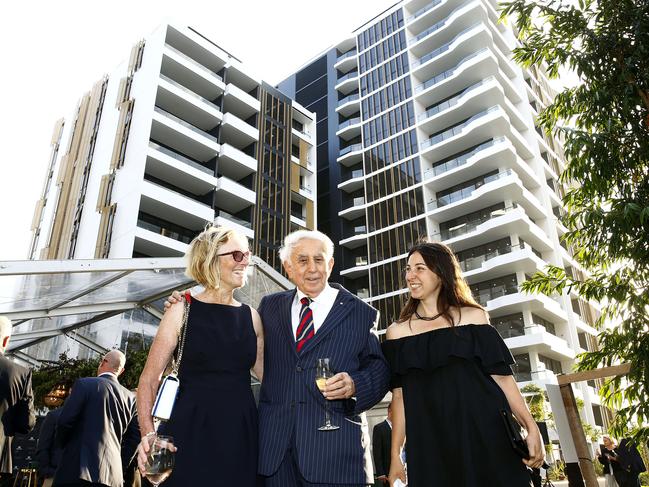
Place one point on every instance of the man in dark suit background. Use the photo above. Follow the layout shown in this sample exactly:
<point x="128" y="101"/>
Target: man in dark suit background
<point x="96" y="422"/>
<point x="16" y="400"/>
<point x="317" y="320"/>
<point x="629" y="458"/>
<point x="48" y="452"/>
<point x="381" y="448"/>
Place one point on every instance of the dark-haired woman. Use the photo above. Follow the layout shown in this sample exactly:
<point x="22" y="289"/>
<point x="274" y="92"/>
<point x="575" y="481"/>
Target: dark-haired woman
<point x="451" y="381"/>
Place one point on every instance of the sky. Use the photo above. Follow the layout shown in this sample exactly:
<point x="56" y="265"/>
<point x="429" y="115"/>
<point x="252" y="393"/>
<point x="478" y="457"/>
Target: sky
<point x="53" y="52"/>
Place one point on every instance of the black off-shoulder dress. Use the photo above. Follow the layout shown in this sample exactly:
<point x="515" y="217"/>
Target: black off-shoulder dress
<point x="455" y="435"/>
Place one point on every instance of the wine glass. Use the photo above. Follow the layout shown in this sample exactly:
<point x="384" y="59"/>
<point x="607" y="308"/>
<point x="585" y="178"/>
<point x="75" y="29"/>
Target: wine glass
<point x="323" y="372"/>
<point x="160" y="461"/>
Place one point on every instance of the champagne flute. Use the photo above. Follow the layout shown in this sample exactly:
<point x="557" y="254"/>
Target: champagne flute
<point x="160" y="461"/>
<point x="323" y="372"/>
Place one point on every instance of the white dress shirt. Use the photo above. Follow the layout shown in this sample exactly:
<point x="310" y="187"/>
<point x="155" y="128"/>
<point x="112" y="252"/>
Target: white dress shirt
<point x="320" y="306"/>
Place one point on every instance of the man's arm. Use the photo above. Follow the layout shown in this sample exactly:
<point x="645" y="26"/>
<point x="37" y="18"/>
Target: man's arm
<point x="23" y="414"/>
<point x="130" y="440"/>
<point x="371" y="380"/>
<point x="70" y="413"/>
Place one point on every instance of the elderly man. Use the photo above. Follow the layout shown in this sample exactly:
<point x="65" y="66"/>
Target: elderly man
<point x="16" y="400"/>
<point x="317" y="320"/>
<point x="97" y="428"/>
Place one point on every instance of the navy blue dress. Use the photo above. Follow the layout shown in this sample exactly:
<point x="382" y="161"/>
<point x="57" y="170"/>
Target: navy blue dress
<point x="214" y="420"/>
<point x="454" y="433"/>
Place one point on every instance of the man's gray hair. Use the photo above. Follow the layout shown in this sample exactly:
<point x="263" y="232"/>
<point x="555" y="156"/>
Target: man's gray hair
<point x="293" y="238"/>
<point x="5" y="327"/>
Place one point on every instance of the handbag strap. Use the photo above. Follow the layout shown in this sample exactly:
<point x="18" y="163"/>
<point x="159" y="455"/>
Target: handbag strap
<point x="175" y="364"/>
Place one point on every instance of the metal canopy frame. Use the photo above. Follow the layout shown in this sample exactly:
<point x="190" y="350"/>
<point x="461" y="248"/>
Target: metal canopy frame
<point x="74" y="294"/>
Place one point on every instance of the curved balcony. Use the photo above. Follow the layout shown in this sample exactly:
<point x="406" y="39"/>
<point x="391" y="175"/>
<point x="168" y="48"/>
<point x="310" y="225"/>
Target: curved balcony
<point x="356" y="210"/>
<point x="500" y="263"/>
<point x="354" y="182"/>
<point x="536" y="338"/>
<point x="349" y="105"/>
<point x="182" y="136"/>
<point x="347" y="83"/>
<point x="347" y="61"/>
<point x="460" y="19"/>
<point x="349" y="128"/>
<point x="350" y="155"/>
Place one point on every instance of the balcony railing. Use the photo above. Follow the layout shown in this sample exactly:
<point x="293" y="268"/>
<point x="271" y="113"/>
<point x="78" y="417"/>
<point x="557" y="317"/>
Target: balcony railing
<point x="438" y="25"/>
<point x="466" y="227"/>
<point x="448" y="73"/>
<point x="193" y="62"/>
<point x="350" y="148"/>
<point x="476" y="262"/>
<point x="346" y="55"/>
<point x="306" y="189"/>
<point x="186" y="124"/>
<point x="234" y="219"/>
<point x="188" y="91"/>
<point x="351" y="121"/>
<point x="464" y="193"/>
<point x="495" y="292"/>
<point x="461" y="160"/>
<point x="360" y="261"/>
<point x="457" y="129"/>
<point x="360" y="230"/>
<point x="427" y="57"/>
<point x="165" y="232"/>
<point x="423" y="10"/>
<point x="353" y="74"/>
<point x="452" y="101"/>
<point x="358" y="173"/>
<point x="180" y="158"/>
<point x="358" y="201"/>
<point x="348" y="99"/>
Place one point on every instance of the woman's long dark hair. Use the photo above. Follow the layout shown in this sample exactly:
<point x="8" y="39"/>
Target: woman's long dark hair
<point x="454" y="291"/>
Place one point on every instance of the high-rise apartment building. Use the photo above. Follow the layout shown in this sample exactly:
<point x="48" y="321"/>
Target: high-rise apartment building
<point x="180" y="135"/>
<point x="426" y="127"/>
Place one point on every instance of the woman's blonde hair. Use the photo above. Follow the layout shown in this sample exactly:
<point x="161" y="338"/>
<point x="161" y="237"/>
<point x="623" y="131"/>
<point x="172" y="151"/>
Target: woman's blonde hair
<point x="202" y="259"/>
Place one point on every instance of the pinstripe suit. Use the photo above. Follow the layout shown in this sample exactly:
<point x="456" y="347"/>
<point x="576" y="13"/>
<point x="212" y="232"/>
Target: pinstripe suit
<point x="291" y="408"/>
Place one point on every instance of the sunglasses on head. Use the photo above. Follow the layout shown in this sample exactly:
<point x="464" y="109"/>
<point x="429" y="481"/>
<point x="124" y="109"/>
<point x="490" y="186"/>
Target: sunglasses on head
<point x="237" y="255"/>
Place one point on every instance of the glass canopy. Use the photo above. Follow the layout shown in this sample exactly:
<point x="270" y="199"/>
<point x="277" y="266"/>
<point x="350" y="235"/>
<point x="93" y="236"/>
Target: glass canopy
<point x="86" y="307"/>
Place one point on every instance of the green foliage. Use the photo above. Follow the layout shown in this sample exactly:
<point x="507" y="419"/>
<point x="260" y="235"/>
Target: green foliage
<point x="557" y="471"/>
<point x="67" y="370"/>
<point x="535" y="399"/>
<point x="604" y="125"/>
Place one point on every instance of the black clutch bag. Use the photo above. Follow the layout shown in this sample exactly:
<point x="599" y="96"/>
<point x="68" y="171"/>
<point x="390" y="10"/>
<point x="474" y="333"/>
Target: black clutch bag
<point x="515" y="433"/>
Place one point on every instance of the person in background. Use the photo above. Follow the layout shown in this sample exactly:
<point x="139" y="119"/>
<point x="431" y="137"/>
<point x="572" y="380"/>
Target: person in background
<point x="604" y="454"/>
<point x="629" y="459"/>
<point x="48" y="452"/>
<point x="16" y="400"/>
<point x="97" y="418"/>
<point x="381" y="441"/>
<point x="452" y="384"/>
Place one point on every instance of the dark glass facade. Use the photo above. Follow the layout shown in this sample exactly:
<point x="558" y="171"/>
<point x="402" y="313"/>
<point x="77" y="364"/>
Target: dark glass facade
<point x="273" y="179"/>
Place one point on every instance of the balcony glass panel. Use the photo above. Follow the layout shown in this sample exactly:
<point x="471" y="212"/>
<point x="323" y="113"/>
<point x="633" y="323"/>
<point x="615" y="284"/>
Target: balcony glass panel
<point x="465" y="192"/>
<point x="448" y="73"/>
<point x="436" y="139"/>
<point x="427" y="57"/>
<point x="460" y="160"/>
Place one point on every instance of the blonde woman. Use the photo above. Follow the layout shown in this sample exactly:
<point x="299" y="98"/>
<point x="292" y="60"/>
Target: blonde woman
<point x="214" y="420"/>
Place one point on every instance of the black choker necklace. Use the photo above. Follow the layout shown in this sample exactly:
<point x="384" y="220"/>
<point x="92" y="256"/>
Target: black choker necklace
<point x="427" y="318"/>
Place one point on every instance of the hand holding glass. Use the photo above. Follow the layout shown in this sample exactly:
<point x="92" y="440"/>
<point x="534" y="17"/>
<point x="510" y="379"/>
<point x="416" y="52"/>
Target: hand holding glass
<point x="323" y="372"/>
<point x="160" y="461"/>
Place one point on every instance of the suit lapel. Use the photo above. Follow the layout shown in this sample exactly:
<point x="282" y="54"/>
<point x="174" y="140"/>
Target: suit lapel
<point x="285" y="319"/>
<point x="339" y="310"/>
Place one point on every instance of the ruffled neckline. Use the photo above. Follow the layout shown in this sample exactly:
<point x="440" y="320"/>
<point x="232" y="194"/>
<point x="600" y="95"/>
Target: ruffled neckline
<point x="434" y="348"/>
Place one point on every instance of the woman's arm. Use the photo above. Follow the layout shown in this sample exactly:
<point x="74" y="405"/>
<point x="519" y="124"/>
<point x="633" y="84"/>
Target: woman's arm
<point x="398" y="437"/>
<point x="258" y="368"/>
<point x="160" y="353"/>
<point x="522" y="413"/>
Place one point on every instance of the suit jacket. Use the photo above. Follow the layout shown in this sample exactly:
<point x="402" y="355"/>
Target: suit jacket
<point x="16" y="407"/>
<point x="381" y="447"/>
<point x="93" y="423"/>
<point x="629" y="457"/>
<point x="291" y="408"/>
<point x="48" y="452"/>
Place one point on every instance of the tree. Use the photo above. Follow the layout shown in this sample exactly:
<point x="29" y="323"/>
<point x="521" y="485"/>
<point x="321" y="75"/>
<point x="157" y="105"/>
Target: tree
<point x="604" y="125"/>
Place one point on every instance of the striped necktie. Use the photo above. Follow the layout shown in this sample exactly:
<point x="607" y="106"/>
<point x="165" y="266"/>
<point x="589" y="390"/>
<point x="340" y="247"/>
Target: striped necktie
<point x="305" y="329"/>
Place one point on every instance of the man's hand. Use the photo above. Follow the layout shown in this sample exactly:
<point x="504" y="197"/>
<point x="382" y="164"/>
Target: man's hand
<point x="175" y="297"/>
<point x="382" y="478"/>
<point x="340" y="386"/>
